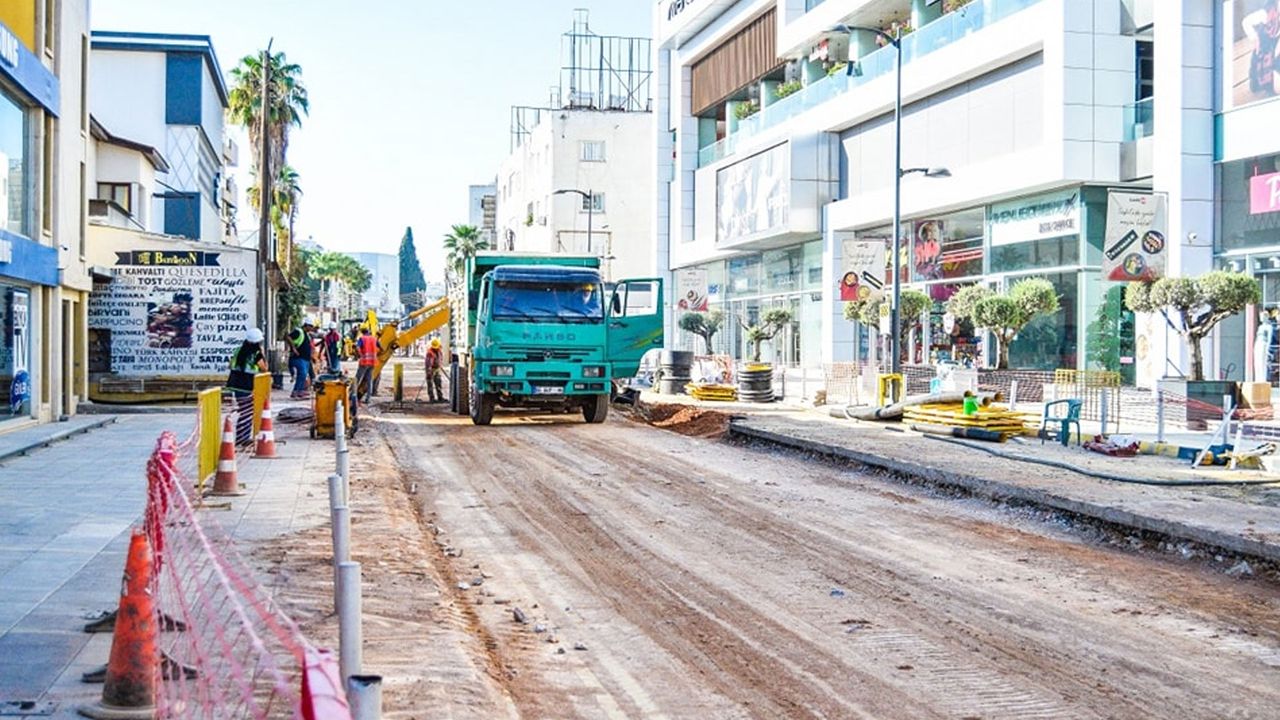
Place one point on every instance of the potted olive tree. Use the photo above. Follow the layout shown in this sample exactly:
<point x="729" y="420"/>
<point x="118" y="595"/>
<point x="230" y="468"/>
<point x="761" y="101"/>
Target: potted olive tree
<point x="1005" y="314"/>
<point x="703" y="324"/>
<point x="1192" y="307"/>
<point x="913" y="304"/>
<point x="755" y="380"/>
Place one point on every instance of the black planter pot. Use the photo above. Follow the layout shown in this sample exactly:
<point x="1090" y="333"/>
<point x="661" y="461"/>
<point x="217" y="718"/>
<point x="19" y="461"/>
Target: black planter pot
<point x="1204" y="398"/>
<point x="756" y="385"/>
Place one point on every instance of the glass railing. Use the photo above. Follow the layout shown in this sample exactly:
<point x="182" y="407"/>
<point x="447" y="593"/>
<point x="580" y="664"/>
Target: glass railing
<point x="947" y="29"/>
<point x="1139" y="120"/>
<point x="811" y="4"/>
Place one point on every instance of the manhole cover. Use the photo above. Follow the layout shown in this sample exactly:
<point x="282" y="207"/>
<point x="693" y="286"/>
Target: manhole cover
<point x="26" y="708"/>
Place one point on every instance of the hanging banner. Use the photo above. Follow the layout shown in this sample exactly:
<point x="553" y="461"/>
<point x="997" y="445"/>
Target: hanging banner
<point x="864" y="263"/>
<point x="691" y="290"/>
<point x="1135" y="247"/>
<point x="170" y="309"/>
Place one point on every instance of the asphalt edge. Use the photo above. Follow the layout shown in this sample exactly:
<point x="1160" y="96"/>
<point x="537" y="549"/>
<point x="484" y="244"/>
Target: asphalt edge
<point x="1000" y="491"/>
<point x="48" y="440"/>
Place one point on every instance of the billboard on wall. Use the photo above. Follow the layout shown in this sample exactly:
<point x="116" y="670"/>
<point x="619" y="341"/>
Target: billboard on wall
<point x="753" y="196"/>
<point x="1038" y="218"/>
<point x="691" y="290"/>
<point x="1135" y="246"/>
<point x="173" y="308"/>
<point x="1253" y="51"/>
<point x="863" y="264"/>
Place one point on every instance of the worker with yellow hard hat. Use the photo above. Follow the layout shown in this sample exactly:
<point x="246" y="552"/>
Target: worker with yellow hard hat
<point x="435" y="371"/>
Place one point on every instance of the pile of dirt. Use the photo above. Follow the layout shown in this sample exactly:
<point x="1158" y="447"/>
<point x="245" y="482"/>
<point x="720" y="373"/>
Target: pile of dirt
<point x="686" y="420"/>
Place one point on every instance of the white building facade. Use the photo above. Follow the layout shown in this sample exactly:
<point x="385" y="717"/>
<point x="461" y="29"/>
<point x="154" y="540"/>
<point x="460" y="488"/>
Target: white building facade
<point x="482" y="211"/>
<point x="168" y="92"/>
<point x="771" y="155"/>
<point x="383" y="295"/>
<point x="600" y="153"/>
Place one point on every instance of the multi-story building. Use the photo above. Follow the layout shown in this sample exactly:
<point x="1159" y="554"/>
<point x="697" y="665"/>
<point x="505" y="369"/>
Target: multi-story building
<point x="577" y="178"/>
<point x="168" y="92"/>
<point x="44" y="279"/>
<point x="482" y="211"/>
<point x="775" y="147"/>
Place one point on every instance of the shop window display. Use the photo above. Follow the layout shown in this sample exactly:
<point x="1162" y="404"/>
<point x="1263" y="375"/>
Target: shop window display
<point x="13" y="179"/>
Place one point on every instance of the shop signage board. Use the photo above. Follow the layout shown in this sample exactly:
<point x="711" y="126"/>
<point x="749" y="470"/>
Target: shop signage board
<point x="691" y="290"/>
<point x="864" y="263"/>
<point x="753" y="196"/>
<point x="1264" y="193"/>
<point x="1135" y="246"/>
<point x="174" y="310"/>
<point x="1038" y="218"/>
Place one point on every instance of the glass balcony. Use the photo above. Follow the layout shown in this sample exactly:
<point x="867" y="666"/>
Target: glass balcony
<point x="1139" y="120"/>
<point x="811" y="4"/>
<point x="947" y="29"/>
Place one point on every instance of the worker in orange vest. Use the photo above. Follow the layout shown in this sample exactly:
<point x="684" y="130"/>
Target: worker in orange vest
<point x="367" y="348"/>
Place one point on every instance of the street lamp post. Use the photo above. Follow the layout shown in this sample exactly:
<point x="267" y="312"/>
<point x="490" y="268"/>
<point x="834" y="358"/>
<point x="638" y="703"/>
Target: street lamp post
<point x="895" y="318"/>
<point x="591" y="206"/>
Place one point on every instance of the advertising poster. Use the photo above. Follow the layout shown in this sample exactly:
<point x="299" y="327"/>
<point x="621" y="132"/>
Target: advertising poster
<point x="928" y="249"/>
<point x="174" y="311"/>
<point x="20" y="341"/>
<point x="691" y="290"/>
<point x="754" y="195"/>
<point x="1252" y="46"/>
<point x="863" y="270"/>
<point x="1135" y="246"/>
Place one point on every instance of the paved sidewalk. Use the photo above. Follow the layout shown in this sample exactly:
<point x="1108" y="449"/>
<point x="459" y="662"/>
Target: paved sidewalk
<point x="1232" y="519"/>
<point x="65" y="515"/>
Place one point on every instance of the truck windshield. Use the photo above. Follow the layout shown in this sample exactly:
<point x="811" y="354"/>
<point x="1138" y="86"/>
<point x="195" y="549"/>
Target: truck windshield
<point x="567" y="302"/>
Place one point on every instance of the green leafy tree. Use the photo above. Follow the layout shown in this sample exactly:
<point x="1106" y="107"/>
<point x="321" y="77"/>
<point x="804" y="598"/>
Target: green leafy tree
<point x="913" y="304"/>
<point x="1005" y="315"/>
<point x="1193" y="306"/>
<point x="330" y="267"/>
<point x="1105" y="333"/>
<point x="411" y="279"/>
<point x="704" y="325"/>
<point x="771" y="323"/>
<point x="461" y="244"/>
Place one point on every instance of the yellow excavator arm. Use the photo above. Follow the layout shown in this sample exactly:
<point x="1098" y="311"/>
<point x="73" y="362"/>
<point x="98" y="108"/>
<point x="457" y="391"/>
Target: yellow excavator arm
<point x="420" y="321"/>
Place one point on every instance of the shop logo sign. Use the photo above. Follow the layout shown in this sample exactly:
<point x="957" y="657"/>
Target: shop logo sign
<point x="676" y="7"/>
<point x="1264" y="193"/>
<point x="8" y="48"/>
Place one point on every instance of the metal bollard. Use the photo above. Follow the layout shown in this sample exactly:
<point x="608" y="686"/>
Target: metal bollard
<point x="1228" y="409"/>
<point x="340" y="525"/>
<point x="349" y="613"/>
<point x="1159" y="416"/>
<point x="1013" y="396"/>
<point x="342" y="454"/>
<point x="364" y="694"/>
<point x="1103" y="413"/>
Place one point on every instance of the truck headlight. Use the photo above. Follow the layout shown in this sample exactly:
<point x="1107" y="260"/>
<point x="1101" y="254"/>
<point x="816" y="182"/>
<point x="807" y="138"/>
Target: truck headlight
<point x="502" y="370"/>
<point x="593" y="371"/>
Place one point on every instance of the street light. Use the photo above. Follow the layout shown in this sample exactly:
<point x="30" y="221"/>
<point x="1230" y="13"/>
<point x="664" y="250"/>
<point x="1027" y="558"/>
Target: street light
<point x="591" y="206"/>
<point x="898" y="173"/>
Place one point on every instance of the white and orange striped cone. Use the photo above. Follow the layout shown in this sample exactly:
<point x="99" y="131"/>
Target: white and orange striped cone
<point x="225" y="482"/>
<point x="266" y="447"/>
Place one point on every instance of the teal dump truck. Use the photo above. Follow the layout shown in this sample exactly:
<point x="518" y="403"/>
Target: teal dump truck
<point x="544" y="332"/>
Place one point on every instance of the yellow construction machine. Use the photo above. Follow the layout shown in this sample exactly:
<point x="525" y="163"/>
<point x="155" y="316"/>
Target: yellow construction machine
<point x="419" y="322"/>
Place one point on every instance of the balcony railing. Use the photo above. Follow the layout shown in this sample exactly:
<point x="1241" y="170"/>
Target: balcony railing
<point x="811" y="4"/>
<point x="945" y="30"/>
<point x="1139" y="120"/>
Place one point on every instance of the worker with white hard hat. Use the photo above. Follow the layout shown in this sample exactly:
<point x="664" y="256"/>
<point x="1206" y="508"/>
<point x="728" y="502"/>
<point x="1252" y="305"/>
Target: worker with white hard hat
<point x="246" y="362"/>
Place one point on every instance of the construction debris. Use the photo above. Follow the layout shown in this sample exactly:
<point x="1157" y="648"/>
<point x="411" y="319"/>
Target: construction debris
<point x="988" y="422"/>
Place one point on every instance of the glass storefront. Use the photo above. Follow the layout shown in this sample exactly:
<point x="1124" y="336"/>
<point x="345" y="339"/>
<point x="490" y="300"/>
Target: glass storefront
<point x="1248" y="216"/>
<point x="15" y="353"/>
<point x="13" y="160"/>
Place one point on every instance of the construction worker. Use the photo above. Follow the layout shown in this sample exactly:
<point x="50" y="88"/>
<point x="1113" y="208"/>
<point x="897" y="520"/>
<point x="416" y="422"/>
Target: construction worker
<point x="435" y="371"/>
<point x="300" y="352"/>
<point x="367" y="350"/>
<point x="333" y="348"/>
<point x="246" y="361"/>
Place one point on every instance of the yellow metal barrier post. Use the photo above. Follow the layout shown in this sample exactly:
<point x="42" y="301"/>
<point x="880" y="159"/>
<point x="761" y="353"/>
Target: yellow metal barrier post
<point x="888" y="387"/>
<point x="398" y="382"/>
<point x="209" y="412"/>
<point x="261" y="391"/>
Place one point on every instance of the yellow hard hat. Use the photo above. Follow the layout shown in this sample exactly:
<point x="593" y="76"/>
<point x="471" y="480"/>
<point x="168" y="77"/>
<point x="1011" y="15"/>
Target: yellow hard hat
<point x="435" y="342"/>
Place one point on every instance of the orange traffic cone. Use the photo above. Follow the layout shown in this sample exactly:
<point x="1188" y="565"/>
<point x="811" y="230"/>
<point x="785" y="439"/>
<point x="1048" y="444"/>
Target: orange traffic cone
<point x="130" y="687"/>
<point x="225" y="482"/>
<point x="266" y="447"/>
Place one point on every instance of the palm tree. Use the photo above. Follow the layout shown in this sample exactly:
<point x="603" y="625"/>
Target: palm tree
<point x="288" y="100"/>
<point x="463" y="243"/>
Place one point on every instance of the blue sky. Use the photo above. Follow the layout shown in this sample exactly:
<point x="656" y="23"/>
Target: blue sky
<point x="409" y="98"/>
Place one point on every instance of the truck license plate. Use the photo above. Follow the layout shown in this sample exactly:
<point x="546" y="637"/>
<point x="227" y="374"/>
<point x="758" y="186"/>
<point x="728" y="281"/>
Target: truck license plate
<point x="548" y="390"/>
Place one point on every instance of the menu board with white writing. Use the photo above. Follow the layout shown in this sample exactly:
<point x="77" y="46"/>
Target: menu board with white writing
<point x="175" y="311"/>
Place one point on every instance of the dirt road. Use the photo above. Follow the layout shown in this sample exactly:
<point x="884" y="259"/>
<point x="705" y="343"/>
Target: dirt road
<point x="706" y="580"/>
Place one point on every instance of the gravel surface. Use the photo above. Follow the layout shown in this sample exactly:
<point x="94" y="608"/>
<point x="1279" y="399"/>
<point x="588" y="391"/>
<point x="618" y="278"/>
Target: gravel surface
<point x="680" y="576"/>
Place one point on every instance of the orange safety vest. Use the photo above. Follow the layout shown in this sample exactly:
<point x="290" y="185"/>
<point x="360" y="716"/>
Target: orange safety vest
<point x="368" y="350"/>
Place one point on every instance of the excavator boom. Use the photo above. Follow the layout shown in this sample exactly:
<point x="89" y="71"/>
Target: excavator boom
<point x="424" y="320"/>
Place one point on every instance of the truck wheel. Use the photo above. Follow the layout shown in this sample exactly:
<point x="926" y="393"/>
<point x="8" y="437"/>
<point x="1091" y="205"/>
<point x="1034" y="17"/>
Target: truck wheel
<point x="453" y="387"/>
<point x="482" y="406"/>
<point x="464" y="389"/>
<point x="596" y="409"/>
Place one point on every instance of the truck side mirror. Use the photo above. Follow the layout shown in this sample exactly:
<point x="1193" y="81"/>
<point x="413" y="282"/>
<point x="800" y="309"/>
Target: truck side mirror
<point x="615" y="306"/>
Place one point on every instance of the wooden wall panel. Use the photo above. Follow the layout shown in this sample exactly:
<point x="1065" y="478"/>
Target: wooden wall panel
<point x="741" y="60"/>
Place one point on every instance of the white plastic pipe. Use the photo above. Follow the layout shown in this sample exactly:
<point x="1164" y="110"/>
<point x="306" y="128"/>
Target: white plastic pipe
<point x="340" y="520"/>
<point x="1013" y="396"/>
<point x="364" y="695"/>
<point x="342" y="455"/>
<point x="1159" y="416"/>
<point x="335" y="491"/>
<point x="349" y="613"/>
